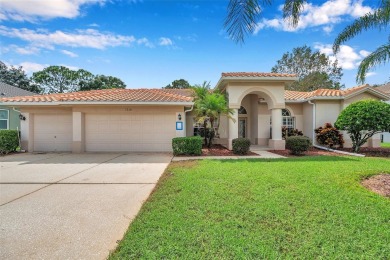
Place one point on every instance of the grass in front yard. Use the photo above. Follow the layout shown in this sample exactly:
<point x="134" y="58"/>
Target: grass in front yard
<point x="385" y="145"/>
<point x="309" y="207"/>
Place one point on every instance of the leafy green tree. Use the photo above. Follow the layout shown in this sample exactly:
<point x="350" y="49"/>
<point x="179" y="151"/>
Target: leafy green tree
<point x="17" y="77"/>
<point x="379" y="19"/>
<point x="57" y="79"/>
<point x="243" y="15"/>
<point x="363" y="119"/>
<point x="102" y="82"/>
<point x="314" y="69"/>
<point x="178" y="84"/>
<point x="208" y="107"/>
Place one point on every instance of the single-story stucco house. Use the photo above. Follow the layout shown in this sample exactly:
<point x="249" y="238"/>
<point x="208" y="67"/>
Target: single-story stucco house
<point x="9" y="117"/>
<point x="148" y="119"/>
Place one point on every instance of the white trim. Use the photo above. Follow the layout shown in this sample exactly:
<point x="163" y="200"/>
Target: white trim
<point x="263" y="79"/>
<point x="4" y="119"/>
<point x="55" y="103"/>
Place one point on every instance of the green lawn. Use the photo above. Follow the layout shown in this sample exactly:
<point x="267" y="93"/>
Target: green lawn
<point x="305" y="208"/>
<point x="385" y="145"/>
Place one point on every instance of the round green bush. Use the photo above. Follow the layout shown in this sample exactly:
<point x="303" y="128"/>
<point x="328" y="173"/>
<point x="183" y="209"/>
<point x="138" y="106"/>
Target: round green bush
<point x="241" y="146"/>
<point x="9" y="141"/>
<point x="298" y="144"/>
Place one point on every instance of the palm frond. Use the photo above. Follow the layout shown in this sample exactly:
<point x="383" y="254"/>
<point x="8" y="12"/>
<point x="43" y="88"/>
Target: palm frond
<point x="380" y="18"/>
<point x="242" y="17"/>
<point x="291" y="11"/>
<point x="379" y="56"/>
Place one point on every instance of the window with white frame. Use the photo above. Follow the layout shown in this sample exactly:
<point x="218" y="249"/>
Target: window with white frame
<point x="4" y="119"/>
<point x="288" y="120"/>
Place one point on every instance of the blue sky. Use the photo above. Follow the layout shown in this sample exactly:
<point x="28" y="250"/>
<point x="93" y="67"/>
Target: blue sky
<point x="148" y="44"/>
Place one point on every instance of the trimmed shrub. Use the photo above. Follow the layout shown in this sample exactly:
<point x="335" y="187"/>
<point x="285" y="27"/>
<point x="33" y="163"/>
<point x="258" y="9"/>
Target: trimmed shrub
<point x="290" y="132"/>
<point x="187" y="145"/>
<point x="241" y="146"/>
<point x="9" y="141"/>
<point x="329" y="136"/>
<point x="298" y="144"/>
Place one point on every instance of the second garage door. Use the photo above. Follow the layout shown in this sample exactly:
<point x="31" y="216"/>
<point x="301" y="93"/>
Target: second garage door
<point x="141" y="132"/>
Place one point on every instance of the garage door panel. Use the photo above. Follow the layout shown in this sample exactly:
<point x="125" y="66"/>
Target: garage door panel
<point x="53" y="133"/>
<point x="130" y="132"/>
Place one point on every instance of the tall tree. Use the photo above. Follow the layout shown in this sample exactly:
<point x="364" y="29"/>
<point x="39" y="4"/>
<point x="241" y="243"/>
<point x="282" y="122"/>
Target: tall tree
<point x="57" y="79"/>
<point x="243" y="15"/>
<point x="17" y="77"/>
<point x="314" y="69"/>
<point x="102" y="82"/>
<point x="178" y="84"/>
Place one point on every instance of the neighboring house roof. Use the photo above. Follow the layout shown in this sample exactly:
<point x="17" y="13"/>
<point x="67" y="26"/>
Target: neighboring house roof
<point x="110" y="95"/>
<point x="331" y="93"/>
<point x="7" y="90"/>
<point x="256" y="74"/>
<point x="384" y="88"/>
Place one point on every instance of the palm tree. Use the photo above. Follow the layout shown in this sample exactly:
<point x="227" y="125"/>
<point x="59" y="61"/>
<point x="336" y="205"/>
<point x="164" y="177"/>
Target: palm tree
<point x="208" y="109"/>
<point x="243" y="15"/>
<point x="379" y="19"/>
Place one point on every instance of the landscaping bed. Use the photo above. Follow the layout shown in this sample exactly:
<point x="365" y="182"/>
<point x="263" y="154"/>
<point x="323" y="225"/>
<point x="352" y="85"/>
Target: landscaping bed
<point x="311" y="152"/>
<point x="379" y="184"/>
<point x="218" y="150"/>
<point x="371" y="152"/>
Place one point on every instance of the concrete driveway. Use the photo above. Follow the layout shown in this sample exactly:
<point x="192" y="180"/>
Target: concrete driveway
<point x="72" y="206"/>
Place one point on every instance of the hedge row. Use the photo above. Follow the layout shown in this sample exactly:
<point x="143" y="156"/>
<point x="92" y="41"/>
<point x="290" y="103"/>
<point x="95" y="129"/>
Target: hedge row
<point x="9" y="141"/>
<point x="187" y="145"/>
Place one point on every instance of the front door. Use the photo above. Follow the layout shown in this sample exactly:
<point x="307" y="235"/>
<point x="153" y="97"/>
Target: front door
<point x="242" y="127"/>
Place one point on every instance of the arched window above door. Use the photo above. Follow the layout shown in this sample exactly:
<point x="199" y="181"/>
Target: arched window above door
<point x="242" y="111"/>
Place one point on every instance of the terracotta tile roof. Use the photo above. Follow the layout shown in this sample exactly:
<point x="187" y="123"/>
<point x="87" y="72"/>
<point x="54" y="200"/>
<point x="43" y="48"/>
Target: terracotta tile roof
<point x="111" y="95"/>
<point x="255" y="74"/>
<point x="297" y="95"/>
<point x="384" y="88"/>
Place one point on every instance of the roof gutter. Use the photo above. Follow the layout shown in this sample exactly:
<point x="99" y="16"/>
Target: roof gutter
<point x="55" y="103"/>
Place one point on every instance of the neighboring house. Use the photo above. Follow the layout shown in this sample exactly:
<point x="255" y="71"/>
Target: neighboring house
<point x="385" y="137"/>
<point x="9" y="117"/>
<point x="147" y="119"/>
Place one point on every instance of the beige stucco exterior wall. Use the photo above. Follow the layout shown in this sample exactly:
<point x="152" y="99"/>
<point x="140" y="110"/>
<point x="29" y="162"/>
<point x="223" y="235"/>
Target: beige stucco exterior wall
<point x="327" y="111"/>
<point x="307" y="118"/>
<point x="361" y="96"/>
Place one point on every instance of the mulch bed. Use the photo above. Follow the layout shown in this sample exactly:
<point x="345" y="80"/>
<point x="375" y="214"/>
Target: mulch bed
<point x="219" y="150"/>
<point x="379" y="184"/>
<point x="371" y="152"/>
<point x="311" y="152"/>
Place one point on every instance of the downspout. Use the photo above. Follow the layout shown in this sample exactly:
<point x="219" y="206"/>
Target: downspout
<point x="314" y="120"/>
<point x="185" y="114"/>
<point x="17" y="128"/>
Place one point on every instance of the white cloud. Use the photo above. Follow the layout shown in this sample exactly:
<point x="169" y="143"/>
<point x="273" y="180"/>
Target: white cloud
<point x="90" y="38"/>
<point x="369" y="74"/>
<point x="146" y="42"/>
<point x="348" y="58"/>
<point x="69" y="53"/>
<point x="28" y="50"/>
<point x="164" y="41"/>
<point x="326" y="15"/>
<point x="69" y="67"/>
<point x="30" y="67"/>
<point x="31" y="10"/>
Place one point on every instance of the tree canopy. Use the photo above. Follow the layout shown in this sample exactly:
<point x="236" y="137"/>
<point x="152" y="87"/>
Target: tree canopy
<point x="60" y="79"/>
<point x="314" y="69"/>
<point x="243" y="15"/>
<point x="363" y="119"/>
<point x="178" y="84"/>
<point x="18" y="78"/>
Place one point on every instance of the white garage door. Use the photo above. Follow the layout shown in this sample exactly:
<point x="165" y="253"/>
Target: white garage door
<point x="141" y="132"/>
<point x="53" y="133"/>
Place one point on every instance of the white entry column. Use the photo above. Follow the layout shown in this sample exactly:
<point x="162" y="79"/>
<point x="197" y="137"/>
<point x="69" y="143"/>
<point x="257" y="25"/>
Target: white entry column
<point x="277" y="143"/>
<point x="233" y="128"/>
